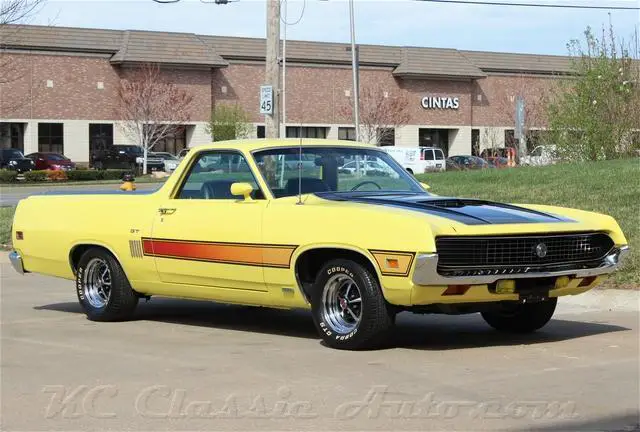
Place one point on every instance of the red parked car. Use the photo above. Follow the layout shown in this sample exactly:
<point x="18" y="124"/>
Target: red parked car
<point x="497" y="161"/>
<point x="51" y="161"/>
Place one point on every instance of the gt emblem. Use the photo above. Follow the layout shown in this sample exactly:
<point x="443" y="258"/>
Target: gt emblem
<point x="541" y="250"/>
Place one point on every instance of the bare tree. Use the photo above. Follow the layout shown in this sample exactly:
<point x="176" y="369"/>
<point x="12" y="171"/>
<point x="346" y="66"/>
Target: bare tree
<point x="13" y="13"/>
<point x="491" y="141"/>
<point x="381" y="113"/>
<point x="150" y="108"/>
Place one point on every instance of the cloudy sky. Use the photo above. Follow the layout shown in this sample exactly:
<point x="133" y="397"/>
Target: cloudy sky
<point x="393" y="22"/>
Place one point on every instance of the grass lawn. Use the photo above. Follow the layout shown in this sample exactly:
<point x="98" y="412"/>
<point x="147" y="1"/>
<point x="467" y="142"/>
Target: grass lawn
<point x="6" y="216"/>
<point x="610" y="187"/>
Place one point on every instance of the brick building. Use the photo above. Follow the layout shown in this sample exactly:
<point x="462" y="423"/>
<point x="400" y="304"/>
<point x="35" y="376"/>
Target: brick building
<point x="62" y="91"/>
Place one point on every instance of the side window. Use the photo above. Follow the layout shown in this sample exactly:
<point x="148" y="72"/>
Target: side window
<point x="428" y="155"/>
<point x="439" y="155"/>
<point x="213" y="173"/>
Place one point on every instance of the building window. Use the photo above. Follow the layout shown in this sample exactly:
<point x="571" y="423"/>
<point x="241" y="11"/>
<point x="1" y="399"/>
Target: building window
<point x="260" y="132"/>
<point x="475" y="142"/>
<point x="347" y="133"/>
<point x="386" y="137"/>
<point x="100" y="136"/>
<point x="434" y="138"/>
<point x="172" y="143"/>
<point x="307" y="132"/>
<point x="12" y="135"/>
<point x="50" y="137"/>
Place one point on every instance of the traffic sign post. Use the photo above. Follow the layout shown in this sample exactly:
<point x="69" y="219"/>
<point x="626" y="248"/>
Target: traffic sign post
<point x="266" y="99"/>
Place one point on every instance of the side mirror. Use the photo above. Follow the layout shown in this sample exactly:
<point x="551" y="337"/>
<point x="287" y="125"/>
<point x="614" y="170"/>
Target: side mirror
<point x="425" y="186"/>
<point x="243" y="189"/>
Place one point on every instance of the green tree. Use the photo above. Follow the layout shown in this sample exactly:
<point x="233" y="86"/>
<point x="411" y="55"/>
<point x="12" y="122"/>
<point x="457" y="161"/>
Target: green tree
<point x="229" y="122"/>
<point x="595" y="113"/>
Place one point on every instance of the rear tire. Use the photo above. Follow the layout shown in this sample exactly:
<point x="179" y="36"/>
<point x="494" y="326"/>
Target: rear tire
<point x="521" y="318"/>
<point x="103" y="289"/>
<point x="348" y="307"/>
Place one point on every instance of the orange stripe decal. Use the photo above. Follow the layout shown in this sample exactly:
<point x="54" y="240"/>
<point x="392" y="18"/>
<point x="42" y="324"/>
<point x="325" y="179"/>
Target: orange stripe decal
<point x="224" y="253"/>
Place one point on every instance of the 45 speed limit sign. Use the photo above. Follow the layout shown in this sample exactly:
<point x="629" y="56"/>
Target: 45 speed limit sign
<point x="266" y="99"/>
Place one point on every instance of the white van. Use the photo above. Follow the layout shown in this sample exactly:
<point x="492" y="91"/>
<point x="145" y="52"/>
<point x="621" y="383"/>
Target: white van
<point x="418" y="160"/>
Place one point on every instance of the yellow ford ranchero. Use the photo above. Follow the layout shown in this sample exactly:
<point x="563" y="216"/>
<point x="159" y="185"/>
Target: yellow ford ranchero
<point x="336" y="227"/>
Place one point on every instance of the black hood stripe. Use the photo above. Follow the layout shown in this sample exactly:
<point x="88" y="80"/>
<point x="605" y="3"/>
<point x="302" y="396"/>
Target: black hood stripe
<point x="466" y="211"/>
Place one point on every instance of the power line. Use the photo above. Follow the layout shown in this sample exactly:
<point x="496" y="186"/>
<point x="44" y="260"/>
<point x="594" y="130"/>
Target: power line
<point x="537" y="5"/>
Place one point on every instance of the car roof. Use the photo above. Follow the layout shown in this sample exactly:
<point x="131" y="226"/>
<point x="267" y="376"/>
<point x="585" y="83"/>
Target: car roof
<point x="251" y="145"/>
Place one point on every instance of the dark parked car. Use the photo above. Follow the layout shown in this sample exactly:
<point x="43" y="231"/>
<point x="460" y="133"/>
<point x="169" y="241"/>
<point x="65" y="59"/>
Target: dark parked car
<point x="124" y="157"/>
<point x="470" y="162"/>
<point x="13" y="159"/>
<point x="51" y="161"/>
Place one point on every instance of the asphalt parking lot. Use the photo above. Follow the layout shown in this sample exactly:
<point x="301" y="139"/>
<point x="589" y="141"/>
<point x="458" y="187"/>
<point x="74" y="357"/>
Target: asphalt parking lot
<point x="186" y="365"/>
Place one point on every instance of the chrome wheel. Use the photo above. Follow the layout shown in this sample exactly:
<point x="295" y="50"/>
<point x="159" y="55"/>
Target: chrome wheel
<point x="97" y="282"/>
<point x="341" y="304"/>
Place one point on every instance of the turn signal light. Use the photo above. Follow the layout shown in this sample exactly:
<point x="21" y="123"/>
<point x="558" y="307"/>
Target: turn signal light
<point x="505" y="286"/>
<point x="456" y="290"/>
<point x="392" y="263"/>
<point x="562" y="282"/>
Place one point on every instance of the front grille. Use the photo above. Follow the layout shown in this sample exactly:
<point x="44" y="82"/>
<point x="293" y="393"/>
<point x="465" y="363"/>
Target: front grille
<point x="516" y="253"/>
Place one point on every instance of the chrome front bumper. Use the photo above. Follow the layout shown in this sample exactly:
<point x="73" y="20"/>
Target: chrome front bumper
<point x="426" y="271"/>
<point x="16" y="262"/>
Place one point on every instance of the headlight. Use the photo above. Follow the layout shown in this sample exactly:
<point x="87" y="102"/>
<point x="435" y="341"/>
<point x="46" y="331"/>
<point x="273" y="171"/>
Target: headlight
<point x="14" y="162"/>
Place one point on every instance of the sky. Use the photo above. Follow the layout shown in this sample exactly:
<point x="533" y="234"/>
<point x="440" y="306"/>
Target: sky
<point x="385" y="22"/>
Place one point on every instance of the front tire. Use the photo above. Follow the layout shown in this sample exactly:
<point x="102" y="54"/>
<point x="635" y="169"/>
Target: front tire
<point x="348" y="307"/>
<point x="521" y="318"/>
<point x="103" y="289"/>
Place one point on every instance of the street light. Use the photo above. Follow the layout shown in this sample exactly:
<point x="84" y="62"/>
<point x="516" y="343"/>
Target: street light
<point x="354" y="67"/>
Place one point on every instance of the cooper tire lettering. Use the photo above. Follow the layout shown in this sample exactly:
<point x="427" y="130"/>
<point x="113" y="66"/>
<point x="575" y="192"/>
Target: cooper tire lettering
<point x="373" y="318"/>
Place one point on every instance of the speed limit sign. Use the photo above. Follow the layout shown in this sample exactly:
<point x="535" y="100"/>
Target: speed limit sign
<point x="266" y="99"/>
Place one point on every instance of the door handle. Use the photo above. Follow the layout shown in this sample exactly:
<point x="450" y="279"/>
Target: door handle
<point x="166" y="211"/>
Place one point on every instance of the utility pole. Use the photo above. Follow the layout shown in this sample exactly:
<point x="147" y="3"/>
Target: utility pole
<point x="272" y="71"/>
<point x="284" y="71"/>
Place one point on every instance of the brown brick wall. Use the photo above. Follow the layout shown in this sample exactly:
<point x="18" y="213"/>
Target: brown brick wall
<point x="496" y="108"/>
<point x="75" y="95"/>
<point x="315" y="94"/>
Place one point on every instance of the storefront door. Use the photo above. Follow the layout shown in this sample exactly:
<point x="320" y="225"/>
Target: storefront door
<point x="434" y="138"/>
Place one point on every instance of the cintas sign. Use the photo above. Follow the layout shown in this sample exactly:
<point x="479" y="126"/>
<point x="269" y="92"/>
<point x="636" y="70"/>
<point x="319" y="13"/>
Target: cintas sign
<point x="432" y="102"/>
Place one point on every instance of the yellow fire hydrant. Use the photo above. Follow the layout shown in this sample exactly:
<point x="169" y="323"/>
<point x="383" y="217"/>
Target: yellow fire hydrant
<point x="128" y="183"/>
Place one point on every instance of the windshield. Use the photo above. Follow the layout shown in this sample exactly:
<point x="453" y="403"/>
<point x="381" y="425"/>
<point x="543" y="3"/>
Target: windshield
<point x="56" y="157"/>
<point x="12" y="154"/>
<point x="335" y="169"/>
<point x="165" y="156"/>
<point x="129" y="148"/>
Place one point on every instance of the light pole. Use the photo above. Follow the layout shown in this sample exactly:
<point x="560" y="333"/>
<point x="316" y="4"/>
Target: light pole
<point x="354" y="67"/>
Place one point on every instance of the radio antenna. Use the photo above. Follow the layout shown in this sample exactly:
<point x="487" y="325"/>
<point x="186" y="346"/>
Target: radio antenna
<point x="300" y="168"/>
